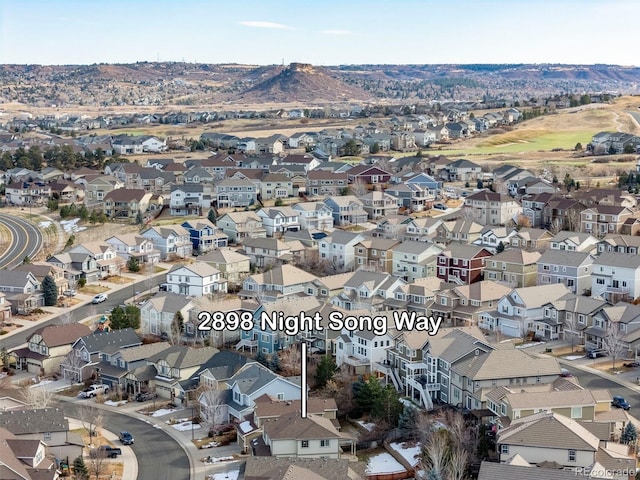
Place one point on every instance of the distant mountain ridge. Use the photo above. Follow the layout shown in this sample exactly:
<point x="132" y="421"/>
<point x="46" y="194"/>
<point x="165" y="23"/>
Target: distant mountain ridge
<point x="151" y="83"/>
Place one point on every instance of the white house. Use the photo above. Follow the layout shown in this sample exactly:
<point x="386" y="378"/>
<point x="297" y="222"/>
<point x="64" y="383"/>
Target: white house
<point x="360" y="350"/>
<point x="131" y="245"/>
<point x="279" y="220"/>
<point x="196" y="280"/>
<point x="170" y="240"/>
<point x="338" y="249"/>
<point x="190" y="199"/>
<point x="153" y="144"/>
<point x="314" y="215"/>
<point x="158" y="313"/>
<point x="614" y="275"/>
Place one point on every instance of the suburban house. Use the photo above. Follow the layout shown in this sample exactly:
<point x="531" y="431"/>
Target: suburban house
<point x="570" y="268"/>
<point x="97" y="188"/>
<point x="106" y="258"/>
<point x="265" y="252"/>
<point x="574" y="242"/>
<point x="159" y="312"/>
<point x="347" y="210"/>
<point x="602" y="219"/>
<point x="464" y="171"/>
<point x="491" y="237"/>
<point x="522" y="310"/>
<point x="27" y="193"/>
<point x="129" y="245"/>
<point x="40" y="270"/>
<point x="515" y="268"/>
<point x="232" y="193"/>
<point x="615" y="277"/>
<point x="47" y="347"/>
<point x="326" y="183"/>
<point x="22" y="291"/>
<point x="173" y="241"/>
<point x="460" y="230"/>
<point x="204" y="235"/>
<point x="412" y="260"/>
<point x="562" y="214"/>
<point x="530" y="239"/>
<point x="569" y="316"/>
<point x="126" y="203"/>
<point x="76" y="266"/>
<point x="314" y="215"/>
<point x="367" y="291"/>
<point x="276" y="185"/>
<point x="234" y="267"/>
<point x="533" y="208"/>
<point x="375" y="254"/>
<point x="569" y="443"/>
<point x="368" y="174"/>
<point x="379" y="204"/>
<point x="239" y="226"/>
<point x="279" y="220"/>
<point x="623" y="319"/>
<point x="412" y="196"/>
<point x="489" y="208"/>
<point x="190" y="199"/>
<point x="195" y="280"/>
<point x="5" y="309"/>
<point x="421" y="229"/>
<point x="338" y="250"/>
<point x="358" y="351"/>
<point x="281" y="281"/>
<point x="462" y="264"/>
<point x="617" y="243"/>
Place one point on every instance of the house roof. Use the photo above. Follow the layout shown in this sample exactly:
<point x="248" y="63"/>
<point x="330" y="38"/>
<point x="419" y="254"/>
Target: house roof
<point x="461" y="250"/>
<point x="224" y="364"/>
<point x="268" y="407"/>
<point x="506" y="363"/>
<point x="223" y="255"/>
<point x="503" y="471"/>
<point x="517" y="256"/>
<point x="251" y="378"/>
<point x="565" y="258"/>
<point x="483" y="291"/>
<point x="201" y="269"/>
<point x="126" y="194"/>
<point x="283" y="275"/>
<point x="57" y="335"/>
<point x="142" y="352"/>
<point x="169" y="302"/>
<point x="289" y="468"/>
<point x="9" y="458"/>
<point x="22" y="422"/>
<point x="540" y="294"/>
<point x="555" y="399"/>
<point x="292" y="426"/>
<point x="549" y="430"/>
<point x="111" y="341"/>
<point x="183" y="356"/>
<point x="620" y="260"/>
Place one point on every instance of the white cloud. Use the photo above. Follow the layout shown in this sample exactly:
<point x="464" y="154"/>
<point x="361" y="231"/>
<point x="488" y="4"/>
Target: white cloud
<point x="337" y="32"/>
<point x="277" y="26"/>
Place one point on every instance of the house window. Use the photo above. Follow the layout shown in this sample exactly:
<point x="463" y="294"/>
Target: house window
<point x="572" y="455"/>
<point x="504" y="449"/>
<point x="576" y="412"/>
<point x="325" y="443"/>
<point x="281" y="396"/>
<point x="304" y="444"/>
<point x="46" y="436"/>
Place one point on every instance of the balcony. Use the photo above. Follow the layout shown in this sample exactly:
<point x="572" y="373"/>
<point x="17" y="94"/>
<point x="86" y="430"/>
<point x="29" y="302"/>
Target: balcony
<point x="430" y="387"/>
<point x="356" y="362"/>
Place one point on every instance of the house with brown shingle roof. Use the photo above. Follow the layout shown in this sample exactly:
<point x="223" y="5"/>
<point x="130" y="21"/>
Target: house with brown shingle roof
<point x="286" y="468"/>
<point x="125" y="203"/>
<point x="24" y="459"/>
<point x="551" y="437"/>
<point x="326" y="183"/>
<point x="47" y="347"/>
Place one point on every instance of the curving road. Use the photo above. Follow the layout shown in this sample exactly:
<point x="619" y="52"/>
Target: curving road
<point x="159" y="456"/>
<point x="25" y="241"/>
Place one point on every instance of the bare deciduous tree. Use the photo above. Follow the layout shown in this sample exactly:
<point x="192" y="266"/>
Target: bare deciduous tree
<point x="572" y="220"/>
<point x="97" y="463"/>
<point x="523" y="221"/>
<point x="92" y="419"/>
<point x="213" y="410"/>
<point x="457" y="463"/>
<point x="435" y="453"/>
<point x="612" y="343"/>
<point x="291" y="361"/>
<point x="70" y="367"/>
<point x="571" y="330"/>
<point x="38" y="396"/>
<point x="359" y="188"/>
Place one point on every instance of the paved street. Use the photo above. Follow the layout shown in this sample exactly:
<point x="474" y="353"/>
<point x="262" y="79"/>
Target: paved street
<point x="25" y="241"/>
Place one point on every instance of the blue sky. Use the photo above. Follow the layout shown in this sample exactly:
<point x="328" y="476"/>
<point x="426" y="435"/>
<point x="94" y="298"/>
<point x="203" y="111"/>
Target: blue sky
<point x="330" y="32"/>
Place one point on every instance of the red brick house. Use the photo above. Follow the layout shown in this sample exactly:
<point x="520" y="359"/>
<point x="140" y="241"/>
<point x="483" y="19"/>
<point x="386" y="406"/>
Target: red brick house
<point x="369" y="174"/>
<point x="461" y="264"/>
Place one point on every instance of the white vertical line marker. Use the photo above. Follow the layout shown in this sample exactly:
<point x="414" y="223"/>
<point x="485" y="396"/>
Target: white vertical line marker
<point x="303" y="383"/>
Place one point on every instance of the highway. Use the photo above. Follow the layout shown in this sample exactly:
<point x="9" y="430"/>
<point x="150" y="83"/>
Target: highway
<point x="25" y="241"/>
<point x="159" y="456"/>
<point x="115" y="298"/>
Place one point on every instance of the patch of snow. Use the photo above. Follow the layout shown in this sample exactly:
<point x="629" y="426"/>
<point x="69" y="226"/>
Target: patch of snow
<point x="384" y="463"/>
<point x="115" y="404"/>
<point x="410" y="453"/>
<point x="186" y="426"/>
<point x="163" y="411"/>
<point x="42" y="383"/>
<point x="573" y="357"/>
<point x="219" y="459"/>
<point x="245" y="427"/>
<point x="532" y="344"/>
<point x="44" y="224"/>
<point x="232" y="475"/>
<point x="367" y="426"/>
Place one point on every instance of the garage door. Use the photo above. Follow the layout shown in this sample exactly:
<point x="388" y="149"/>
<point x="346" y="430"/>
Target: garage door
<point x="511" y="329"/>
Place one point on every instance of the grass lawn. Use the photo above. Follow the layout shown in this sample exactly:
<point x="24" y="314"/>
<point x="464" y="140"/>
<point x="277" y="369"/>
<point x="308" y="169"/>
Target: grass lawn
<point x="158" y="269"/>
<point x="93" y="289"/>
<point x="119" y="280"/>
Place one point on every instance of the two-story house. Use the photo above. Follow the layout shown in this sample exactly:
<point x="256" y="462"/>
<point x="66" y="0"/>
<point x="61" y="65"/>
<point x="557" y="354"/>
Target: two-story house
<point x="106" y="258"/>
<point x="379" y="204"/>
<point x="232" y="193"/>
<point x="463" y="171"/>
<point x="173" y="241"/>
<point x="412" y="196"/>
<point x="239" y="226"/>
<point x="347" y="210"/>
<point x="190" y="199"/>
<point x="47" y="347"/>
<point x="276" y="185"/>
<point x="22" y="291"/>
<point x="204" y="235"/>
<point x="375" y="254"/>
<point x="278" y="220"/>
<point x="461" y="264"/>
<point x="530" y="239"/>
<point x="281" y="281"/>
<point x="602" y="219"/>
<point x="367" y="291"/>
<point x="574" y="242"/>
<point x="314" y="215"/>
<point x="615" y="276"/>
<point x="570" y="268"/>
<point x="195" y="280"/>
<point x="461" y="230"/>
<point x="513" y="267"/>
<point x="99" y="186"/>
<point x="326" y="183"/>
<point x="490" y="208"/>
<point x="569" y="316"/>
<point x="129" y="245"/>
<point x="338" y="250"/>
<point x="412" y="260"/>
<point x="125" y="203"/>
<point x="629" y="244"/>
<point x="234" y="266"/>
<point x="358" y="351"/>
<point x="40" y="270"/>
<point x="158" y="313"/>
<point x="265" y="252"/>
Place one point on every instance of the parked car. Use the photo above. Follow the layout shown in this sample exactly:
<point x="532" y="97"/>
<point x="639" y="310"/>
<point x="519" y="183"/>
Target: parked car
<point x="565" y="373"/>
<point x="440" y="206"/>
<point x="619" y="402"/>
<point x="99" y="298"/>
<point x="144" y="396"/>
<point x="105" y="451"/>
<point x="126" y="438"/>
<point x="94" y="390"/>
<point x="596" y="352"/>
<point x="69" y="293"/>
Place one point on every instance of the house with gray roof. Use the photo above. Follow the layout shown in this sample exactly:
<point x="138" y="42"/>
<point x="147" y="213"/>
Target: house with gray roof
<point x="347" y="210"/>
<point x="251" y="382"/>
<point x="570" y="268"/>
<point x="621" y="319"/>
<point x="523" y="470"/>
<point x="570" y="315"/>
<point x="338" y="250"/>
<point x="278" y="468"/>
<point x="463" y="170"/>
<point x="24" y="459"/>
<point x="157" y="313"/>
<point x="615" y="276"/>
<point x="413" y="260"/>
<point x="22" y="290"/>
<point x="191" y="199"/>
<point x="367" y="290"/>
<point x="195" y="280"/>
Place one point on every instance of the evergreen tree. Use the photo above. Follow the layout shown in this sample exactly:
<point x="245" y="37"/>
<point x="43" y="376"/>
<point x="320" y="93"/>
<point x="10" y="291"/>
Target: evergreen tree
<point x="212" y="216"/>
<point x="629" y="435"/>
<point x="132" y="316"/>
<point x="133" y="265"/>
<point x="261" y="358"/>
<point x="500" y="247"/>
<point x="139" y="218"/>
<point x="178" y="323"/>
<point x="274" y="363"/>
<point x="407" y="422"/>
<point x="80" y="470"/>
<point x="479" y="184"/>
<point x="50" y="291"/>
<point x="26" y="260"/>
<point x="387" y="405"/>
<point x="118" y="319"/>
<point x="325" y="371"/>
<point x="93" y="218"/>
<point x="83" y="212"/>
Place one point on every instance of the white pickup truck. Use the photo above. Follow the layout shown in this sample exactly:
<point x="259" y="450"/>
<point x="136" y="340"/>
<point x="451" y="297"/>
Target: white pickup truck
<point x="94" y="390"/>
